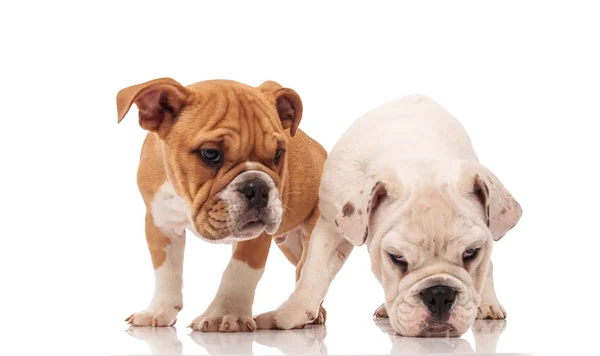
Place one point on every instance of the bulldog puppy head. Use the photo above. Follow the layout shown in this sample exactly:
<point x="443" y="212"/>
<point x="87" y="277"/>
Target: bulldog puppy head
<point x="430" y="238"/>
<point x="223" y="149"/>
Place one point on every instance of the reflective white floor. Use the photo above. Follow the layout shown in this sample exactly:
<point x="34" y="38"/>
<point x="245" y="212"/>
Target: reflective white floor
<point x="313" y="340"/>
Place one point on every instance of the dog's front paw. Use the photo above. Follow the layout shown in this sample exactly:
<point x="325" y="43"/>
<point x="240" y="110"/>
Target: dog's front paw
<point x="491" y="311"/>
<point x="321" y="316"/>
<point x="224" y="322"/>
<point x="380" y="312"/>
<point x="289" y="316"/>
<point x="164" y="315"/>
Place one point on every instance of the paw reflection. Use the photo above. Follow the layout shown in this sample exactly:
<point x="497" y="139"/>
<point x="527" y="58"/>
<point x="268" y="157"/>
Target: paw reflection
<point x="487" y="333"/>
<point x="161" y="341"/>
<point x="225" y="343"/>
<point x="309" y="340"/>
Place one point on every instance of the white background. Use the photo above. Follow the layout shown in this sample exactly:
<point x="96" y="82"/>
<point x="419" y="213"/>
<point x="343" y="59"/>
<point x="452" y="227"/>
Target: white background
<point x="522" y="77"/>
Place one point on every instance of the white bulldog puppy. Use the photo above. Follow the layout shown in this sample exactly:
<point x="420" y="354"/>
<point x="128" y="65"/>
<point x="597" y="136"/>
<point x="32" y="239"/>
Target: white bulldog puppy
<point x="405" y="180"/>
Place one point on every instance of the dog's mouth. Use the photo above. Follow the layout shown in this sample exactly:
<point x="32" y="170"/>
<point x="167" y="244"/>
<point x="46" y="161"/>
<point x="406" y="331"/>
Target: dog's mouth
<point x="250" y="227"/>
<point x="252" y="224"/>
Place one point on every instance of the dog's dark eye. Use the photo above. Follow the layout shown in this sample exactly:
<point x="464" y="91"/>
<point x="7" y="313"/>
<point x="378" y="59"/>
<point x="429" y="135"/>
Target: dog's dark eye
<point x="399" y="261"/>
<point x="278" y="155"/>
<point x="470" y="254"/>
<point x="211" y="157"/>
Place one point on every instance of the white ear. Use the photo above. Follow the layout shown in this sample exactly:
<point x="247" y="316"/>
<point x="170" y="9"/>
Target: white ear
<point x="354" y="217"/>
<point x="502" y="212"/>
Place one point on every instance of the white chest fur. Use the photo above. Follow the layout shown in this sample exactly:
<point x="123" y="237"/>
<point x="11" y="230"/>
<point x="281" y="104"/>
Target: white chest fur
<point x="169" y="211"/>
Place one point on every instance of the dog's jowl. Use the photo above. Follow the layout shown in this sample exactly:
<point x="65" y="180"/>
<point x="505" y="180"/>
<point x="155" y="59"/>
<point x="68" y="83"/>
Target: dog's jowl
<point x="405" y="181"/>
<point x="222" y="160"/>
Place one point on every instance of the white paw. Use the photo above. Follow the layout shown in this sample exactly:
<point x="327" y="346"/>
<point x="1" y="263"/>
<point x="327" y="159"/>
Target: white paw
<point x="164" y="315"/>
<point x="380" y="312"/>
<point x="491" y="311"/>
<point x="288" y="316"/>
<point x="219" y="320"/>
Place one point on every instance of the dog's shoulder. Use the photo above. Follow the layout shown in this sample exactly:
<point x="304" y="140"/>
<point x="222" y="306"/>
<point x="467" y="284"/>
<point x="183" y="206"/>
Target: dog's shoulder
<point x="151" y="171"/>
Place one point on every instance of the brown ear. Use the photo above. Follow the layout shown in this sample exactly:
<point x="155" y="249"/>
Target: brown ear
<point x="287" y="102"/>
<point x="159" y="102"/>
<point x="354" y="218"/>
<point x="501" y="211"/>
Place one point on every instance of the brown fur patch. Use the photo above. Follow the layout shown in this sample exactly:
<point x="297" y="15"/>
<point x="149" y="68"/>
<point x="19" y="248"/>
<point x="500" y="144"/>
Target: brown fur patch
<point x="157" y="242"/>
<point x="253" y="252"/>
<point x="348" y="209"/>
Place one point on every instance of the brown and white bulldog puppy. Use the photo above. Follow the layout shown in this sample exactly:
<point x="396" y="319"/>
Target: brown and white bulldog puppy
<point x="228" y="162"/>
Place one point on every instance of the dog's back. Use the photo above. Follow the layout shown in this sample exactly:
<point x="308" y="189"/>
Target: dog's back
<point x="411" y="128"/>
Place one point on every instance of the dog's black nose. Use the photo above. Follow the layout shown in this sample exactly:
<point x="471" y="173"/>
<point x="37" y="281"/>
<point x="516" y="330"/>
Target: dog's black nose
<point x="256" y="192"/>
<point x="438" y="299"/>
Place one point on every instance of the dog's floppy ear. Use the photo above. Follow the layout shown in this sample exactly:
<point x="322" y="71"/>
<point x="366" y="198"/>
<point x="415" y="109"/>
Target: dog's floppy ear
<point x="354" y="217"/>
<point x="501" y="211"/>
<point x="159" y="102"/>
<point x="287" y="103"/>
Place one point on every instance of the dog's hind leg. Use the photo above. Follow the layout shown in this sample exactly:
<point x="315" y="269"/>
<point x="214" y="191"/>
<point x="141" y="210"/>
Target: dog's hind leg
<point x="490" y="307"/>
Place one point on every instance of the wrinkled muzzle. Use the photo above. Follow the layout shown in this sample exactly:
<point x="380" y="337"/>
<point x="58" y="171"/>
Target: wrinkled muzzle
<point x="247" y="207"/>
<point x="440" y="305"/>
